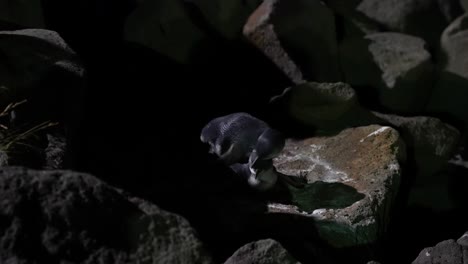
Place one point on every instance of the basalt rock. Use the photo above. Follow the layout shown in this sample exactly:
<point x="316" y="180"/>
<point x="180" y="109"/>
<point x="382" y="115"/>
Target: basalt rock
<point x="267" y="251"/>
<point x="353" y="179"/>
<point x="391" y="68"/>
<point x="450" y="91"/>
<point x="422" y="18"/>
<point x="278" y="27"/>
<point x="70" y="217"/>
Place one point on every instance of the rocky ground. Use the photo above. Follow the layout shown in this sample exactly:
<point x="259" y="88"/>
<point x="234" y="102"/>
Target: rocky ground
<point x="102" y="103"/>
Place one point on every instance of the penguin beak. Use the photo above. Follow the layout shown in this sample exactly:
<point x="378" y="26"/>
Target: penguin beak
<point x="253" y="159"/>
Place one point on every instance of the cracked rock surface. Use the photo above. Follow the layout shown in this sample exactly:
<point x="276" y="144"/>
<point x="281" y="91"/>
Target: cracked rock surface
<point x="353" y="179"/>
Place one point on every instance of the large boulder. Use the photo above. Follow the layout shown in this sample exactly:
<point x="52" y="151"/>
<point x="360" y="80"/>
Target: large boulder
<point x="29" y="14"/>
<point x="432" y="141"/>
<point x="353" y="179"/>
<point x="448" y="251"/>
<point x="431" y="144"/>
<point x="422" y="18"/>
<point x="70" y="217"/>
<point x="351" y="22"/>
<point x="453" y="45"/>
<point x="164" y="26"/>
<point x="325" y="106"/>
<point x="278" y="27"/>
<point x="391" y="68"/>
<point x="267" y="251"/>
<point x="451" y="90"/>
<point x="226" y="16"/>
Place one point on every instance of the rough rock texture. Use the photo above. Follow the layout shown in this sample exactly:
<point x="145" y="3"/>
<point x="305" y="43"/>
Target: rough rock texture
<point x="226" y="16"/>
<point x="69" y="217"/>
<point x="451" y="90"/>
<point x="447" y="251"/>
<point x="463" y="240"/>
<point x="325" y="106"/>
<point x="353" y="179"/>
<point x="395" y="67"/>
<point x="422" y="18"/>
<point x="433" y="141"/>
<point x="453" y="44"/>
<point x="278" y="27"/>
<point x="25" y="13"/>
<point x="164" y="26"/>
<point x="267" y="251"/>
<point x="55" y="152"/>
<point x="3" y="158"/>
<point x="352" y="22"/>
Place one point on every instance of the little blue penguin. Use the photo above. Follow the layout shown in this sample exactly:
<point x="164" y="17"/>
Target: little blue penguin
<point x="248" y="146"/>
<point x="242" y="138"/>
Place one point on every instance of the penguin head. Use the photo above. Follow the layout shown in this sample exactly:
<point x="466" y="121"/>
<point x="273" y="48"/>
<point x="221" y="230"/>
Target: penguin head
<point x="269" y="145"/>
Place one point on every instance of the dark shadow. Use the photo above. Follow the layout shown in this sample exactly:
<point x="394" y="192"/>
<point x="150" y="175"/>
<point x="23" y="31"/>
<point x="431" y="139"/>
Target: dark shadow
<point x="448" y="99"/>
<point x="325" y="195"/>
<point x="6" y="25"/>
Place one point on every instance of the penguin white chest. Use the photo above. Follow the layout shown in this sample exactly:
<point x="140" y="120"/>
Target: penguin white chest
<point x="263" y="180"/>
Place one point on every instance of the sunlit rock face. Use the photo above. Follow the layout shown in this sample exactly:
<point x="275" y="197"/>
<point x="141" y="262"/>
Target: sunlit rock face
<point x="353" y="179"/>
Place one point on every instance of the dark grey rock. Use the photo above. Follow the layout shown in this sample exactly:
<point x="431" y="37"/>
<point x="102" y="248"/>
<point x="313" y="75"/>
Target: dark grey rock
<point x="422" y="18"/>
<point x="55" y="152"/>
<point x="318" y="103"/>
<point x="352" y="22"/>
<point x="453" y="46"/>
<point x="325" y="106"/>
<point x="278" y="27"/>
<point x="447" y="251"/>
<point x="451" y="90"/>
<point x="70" y="217"/>
<point x="396" y="66"/>
<point x="267" y="251"/>
<point x="433" y="141"/>
<point x="165" y="27"/>
<point x="227" y="16"/>
<point x="463" y="240"/>
<point x="3" y="158"/>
